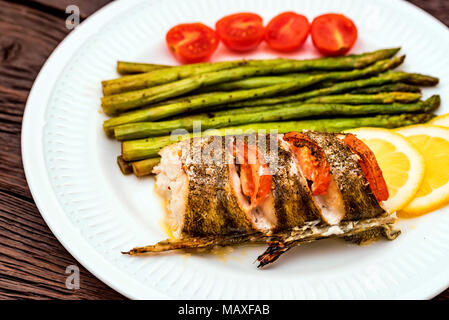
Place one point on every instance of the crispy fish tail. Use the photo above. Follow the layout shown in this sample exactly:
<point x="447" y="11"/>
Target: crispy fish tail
<point x="311" y="231"/>
<point x="199" y="243"/>
<point x="272" y="253"/>
<point x="360" y="232"/>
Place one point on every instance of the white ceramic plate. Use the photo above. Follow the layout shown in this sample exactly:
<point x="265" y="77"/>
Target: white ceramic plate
<point x="96" y="212"/>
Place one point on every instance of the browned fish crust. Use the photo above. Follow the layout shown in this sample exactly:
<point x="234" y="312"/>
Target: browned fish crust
<point x="293" y="199"/>
<point x="360" y="202"/>
<point x="215" y="214"/>
<point x="211" y="208"/>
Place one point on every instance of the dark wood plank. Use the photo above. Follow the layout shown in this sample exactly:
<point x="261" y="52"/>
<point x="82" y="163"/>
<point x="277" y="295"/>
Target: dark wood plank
<point x="86" y="7"/>
<point x="438" y="8"/>
<point x="32" y="261"/>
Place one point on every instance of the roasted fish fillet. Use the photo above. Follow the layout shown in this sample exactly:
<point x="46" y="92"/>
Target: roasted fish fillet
<point x="280" y="189"/>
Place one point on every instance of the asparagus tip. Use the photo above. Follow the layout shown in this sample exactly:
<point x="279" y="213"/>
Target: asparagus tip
<point x="433" y="102"/>
<point x="400" y="60"/>
<point x="422" y="80"/>
<point x="395" y="50"/>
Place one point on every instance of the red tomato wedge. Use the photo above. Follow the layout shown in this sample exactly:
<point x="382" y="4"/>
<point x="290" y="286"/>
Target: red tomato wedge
<point x="333" y="34"/>
<point x="255" y="176"/>
<point x="192" y="42"/>
<point x="287" y="31"/>
<point x="369" y="166"/>
<point x="241" y="31"/>
<point x="312" y="161"/>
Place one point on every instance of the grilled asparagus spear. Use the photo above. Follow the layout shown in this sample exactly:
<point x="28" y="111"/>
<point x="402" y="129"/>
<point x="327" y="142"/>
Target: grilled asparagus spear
<point x="256" y="82"/>
<point x="125" y="101"/>
<point x="385" y="78"/>
<point x="381" y="98"/>
<point x="392" y="87"/>
<point x="158" y="77"/>
<point x="125" y="167"/>
<point x="127" y="68"/>
<point x="144" y="167"/>
<point x="148" y="148"/>
<point x="287" y="111"/>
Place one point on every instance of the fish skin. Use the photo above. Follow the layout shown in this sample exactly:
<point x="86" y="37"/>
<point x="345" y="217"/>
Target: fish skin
<point x="203" y="215"/>
<point x="374" y="234"/>
<point x="360" y="202"/>
<point x="219" y="221"/>
<point x="294" y="204"/>
<point x="210" y="215"/>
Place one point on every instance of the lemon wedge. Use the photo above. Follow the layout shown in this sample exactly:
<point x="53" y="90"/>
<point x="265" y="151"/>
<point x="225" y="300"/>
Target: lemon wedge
<point x="433" y="143"/>
<point x="401" y="163"/>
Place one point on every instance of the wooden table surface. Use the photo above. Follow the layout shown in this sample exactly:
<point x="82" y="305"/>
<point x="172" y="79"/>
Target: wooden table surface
<point x="32" y="261"/>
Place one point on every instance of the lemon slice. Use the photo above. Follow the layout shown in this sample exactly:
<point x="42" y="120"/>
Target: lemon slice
<point x="433" y="143"/>
<point x="442" y="120"/>
<point x="402" y="165"/>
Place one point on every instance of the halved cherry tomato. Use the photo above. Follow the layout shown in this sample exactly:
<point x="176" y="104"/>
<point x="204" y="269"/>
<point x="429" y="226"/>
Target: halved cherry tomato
<point x="312" y="161"/>
<point x="287" y="31"/>
<point x="241" y="31"/>
<point x="192" y="42"/>
<point x="369" y="166"/>
<point x="333" y="34"/>
<point x="255" y="176"/>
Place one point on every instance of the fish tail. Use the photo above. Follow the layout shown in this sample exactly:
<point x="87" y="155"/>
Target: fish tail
<point x="272" y="253"/>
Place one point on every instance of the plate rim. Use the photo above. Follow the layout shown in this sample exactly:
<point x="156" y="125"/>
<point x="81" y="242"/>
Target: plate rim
<point x="34" y="167"/>
<point x="48" y="205"/>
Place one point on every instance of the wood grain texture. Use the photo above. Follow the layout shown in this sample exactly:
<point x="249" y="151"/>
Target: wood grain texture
<point x="438" y="8"/>
<point x="87" y="7"/>
<point x="32" y="261"/>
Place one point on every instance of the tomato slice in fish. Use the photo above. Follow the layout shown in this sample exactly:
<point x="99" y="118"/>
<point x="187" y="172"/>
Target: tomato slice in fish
<point x="312" y="161"/>
<point x="255" y="175"/>
<point x="369" y="166"/>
